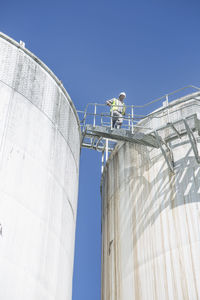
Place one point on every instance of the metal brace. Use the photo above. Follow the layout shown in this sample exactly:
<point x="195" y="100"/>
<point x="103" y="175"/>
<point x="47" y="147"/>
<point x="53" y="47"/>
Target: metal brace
<point x="93" y="139"/>
<point x="192" y="141"/>
<point x="97" y="143"/>
<point x="169" y="160"/>
<point x="83" y="135"/>
<point x="175" y="130"/>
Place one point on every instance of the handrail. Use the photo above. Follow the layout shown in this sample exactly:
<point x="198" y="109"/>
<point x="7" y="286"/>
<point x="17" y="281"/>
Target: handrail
<point x="106" y="143"/>
<point x="169" y="94"/>
<point x="132" y="115"/>
<point x="148" y="103"/>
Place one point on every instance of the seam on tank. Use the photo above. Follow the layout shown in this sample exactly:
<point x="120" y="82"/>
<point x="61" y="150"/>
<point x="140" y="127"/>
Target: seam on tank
<point x="55" y="178"/>
<point x="46" y="168"/>
<point x="27" y="208"/>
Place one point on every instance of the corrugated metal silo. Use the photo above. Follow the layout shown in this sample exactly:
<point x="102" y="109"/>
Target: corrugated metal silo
<point x="151" y="216"/>
<point x="39" y="168"/>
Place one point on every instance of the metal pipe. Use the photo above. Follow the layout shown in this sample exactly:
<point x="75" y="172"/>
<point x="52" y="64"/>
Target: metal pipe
<point x="129" y="122"/>
<point x="132" y="114"/>
<point x="111" y="120"/>
<point x="151" y="102"/>
<point x="106" y="149"/>
<point x="102" y="162"/>
<point x="95" y="111"/>
<point x="167" y="104"/>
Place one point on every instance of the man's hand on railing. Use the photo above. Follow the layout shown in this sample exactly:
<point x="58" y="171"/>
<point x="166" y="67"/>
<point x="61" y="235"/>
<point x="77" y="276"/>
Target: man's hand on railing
<point x="108" y="103"/>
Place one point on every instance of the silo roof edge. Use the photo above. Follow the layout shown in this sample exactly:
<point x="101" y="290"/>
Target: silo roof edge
<point x="47" y="69"/>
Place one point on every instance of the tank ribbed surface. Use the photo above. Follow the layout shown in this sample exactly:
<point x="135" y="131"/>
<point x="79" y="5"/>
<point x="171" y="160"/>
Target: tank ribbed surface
<point x="151" y="218"/>
<point x="39" y="168"/>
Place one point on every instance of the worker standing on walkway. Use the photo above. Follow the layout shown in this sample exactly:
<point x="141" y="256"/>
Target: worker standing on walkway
<point x="117" y="110"/>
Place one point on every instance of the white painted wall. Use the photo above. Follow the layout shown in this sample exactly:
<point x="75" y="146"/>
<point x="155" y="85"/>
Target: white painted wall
<point x="39" y="168"/>
<point x="151" y="219"/>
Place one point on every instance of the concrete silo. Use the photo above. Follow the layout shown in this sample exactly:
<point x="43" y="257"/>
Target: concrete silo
<point x="39" y="167"/>
<point x="151" y="214"/>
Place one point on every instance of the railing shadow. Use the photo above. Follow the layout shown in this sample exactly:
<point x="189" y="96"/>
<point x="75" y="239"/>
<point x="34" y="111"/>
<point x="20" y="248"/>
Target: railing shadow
<point x="144" y="196"/>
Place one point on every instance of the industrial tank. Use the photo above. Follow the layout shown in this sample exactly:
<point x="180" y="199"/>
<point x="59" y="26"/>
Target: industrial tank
<point x="39" y="168"/>
<point x="151" y="214"/>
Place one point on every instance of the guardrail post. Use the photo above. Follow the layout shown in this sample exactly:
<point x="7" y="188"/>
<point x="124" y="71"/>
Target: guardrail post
<point x="132" y="115"/>
<point x="129" y="121"/>
<point x="102" y="162"/>
<point x="95" y="111"/>
<point x="111" y="120"/>
<point x="106" y="149"/>
<point x="167" y="104"/>
<point x="84" y="118"/>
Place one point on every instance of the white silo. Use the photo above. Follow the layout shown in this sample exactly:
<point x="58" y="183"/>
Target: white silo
<point x="151" y="214"/>
<point x="39" y="168"/>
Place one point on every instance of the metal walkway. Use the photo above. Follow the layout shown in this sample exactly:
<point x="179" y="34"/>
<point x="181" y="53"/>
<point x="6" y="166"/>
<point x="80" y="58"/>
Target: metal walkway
<point x="98" y="134"/>
<point x="120" y="135"/>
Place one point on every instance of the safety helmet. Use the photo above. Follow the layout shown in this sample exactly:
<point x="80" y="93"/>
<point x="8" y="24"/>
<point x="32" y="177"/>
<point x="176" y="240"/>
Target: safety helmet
<point x="122" y="94"/>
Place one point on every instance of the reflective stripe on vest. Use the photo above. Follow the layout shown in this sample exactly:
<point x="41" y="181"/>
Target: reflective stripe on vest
<point x="116" y="106"/>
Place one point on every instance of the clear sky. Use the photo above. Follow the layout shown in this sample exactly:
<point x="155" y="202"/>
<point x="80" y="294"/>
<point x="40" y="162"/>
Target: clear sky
<point x="99" y="48"/>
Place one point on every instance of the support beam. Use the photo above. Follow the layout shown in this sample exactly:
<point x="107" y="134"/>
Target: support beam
<point x="175" y="130"/>
<point x="168" y="160"/>
<point x="192" y="141"/>
<point x="122" y="135"/>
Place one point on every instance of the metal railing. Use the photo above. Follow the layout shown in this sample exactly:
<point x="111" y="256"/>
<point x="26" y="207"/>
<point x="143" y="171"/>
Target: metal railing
<point x="98" y="114"/>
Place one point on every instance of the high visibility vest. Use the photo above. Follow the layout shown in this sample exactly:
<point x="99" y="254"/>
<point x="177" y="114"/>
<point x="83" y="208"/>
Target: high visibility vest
<point x="117" y="105"/>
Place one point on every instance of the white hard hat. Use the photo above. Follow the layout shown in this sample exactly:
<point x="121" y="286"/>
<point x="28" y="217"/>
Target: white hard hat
<point x="122" y="94"/>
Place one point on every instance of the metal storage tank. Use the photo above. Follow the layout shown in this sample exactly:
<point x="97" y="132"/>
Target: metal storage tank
<point x="151" y="216"/>
<point x="39" y="168"/>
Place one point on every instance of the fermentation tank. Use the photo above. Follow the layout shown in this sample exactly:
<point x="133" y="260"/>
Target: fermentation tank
<point x="39" y="168"/>
<point x="151" y="214"/>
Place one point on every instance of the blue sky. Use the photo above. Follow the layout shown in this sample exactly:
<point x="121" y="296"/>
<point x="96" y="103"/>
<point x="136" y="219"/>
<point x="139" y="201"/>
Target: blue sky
<point x="99" y="48"/>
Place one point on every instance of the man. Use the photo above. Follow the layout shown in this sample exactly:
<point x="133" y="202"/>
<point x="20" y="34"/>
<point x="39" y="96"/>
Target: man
<point x="117" y="110"/>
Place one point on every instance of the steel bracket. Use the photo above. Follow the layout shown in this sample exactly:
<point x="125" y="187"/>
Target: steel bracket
<point x="192" y="141"/>
<point x="174" y="129"/>
<point x="168" y="157"/>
